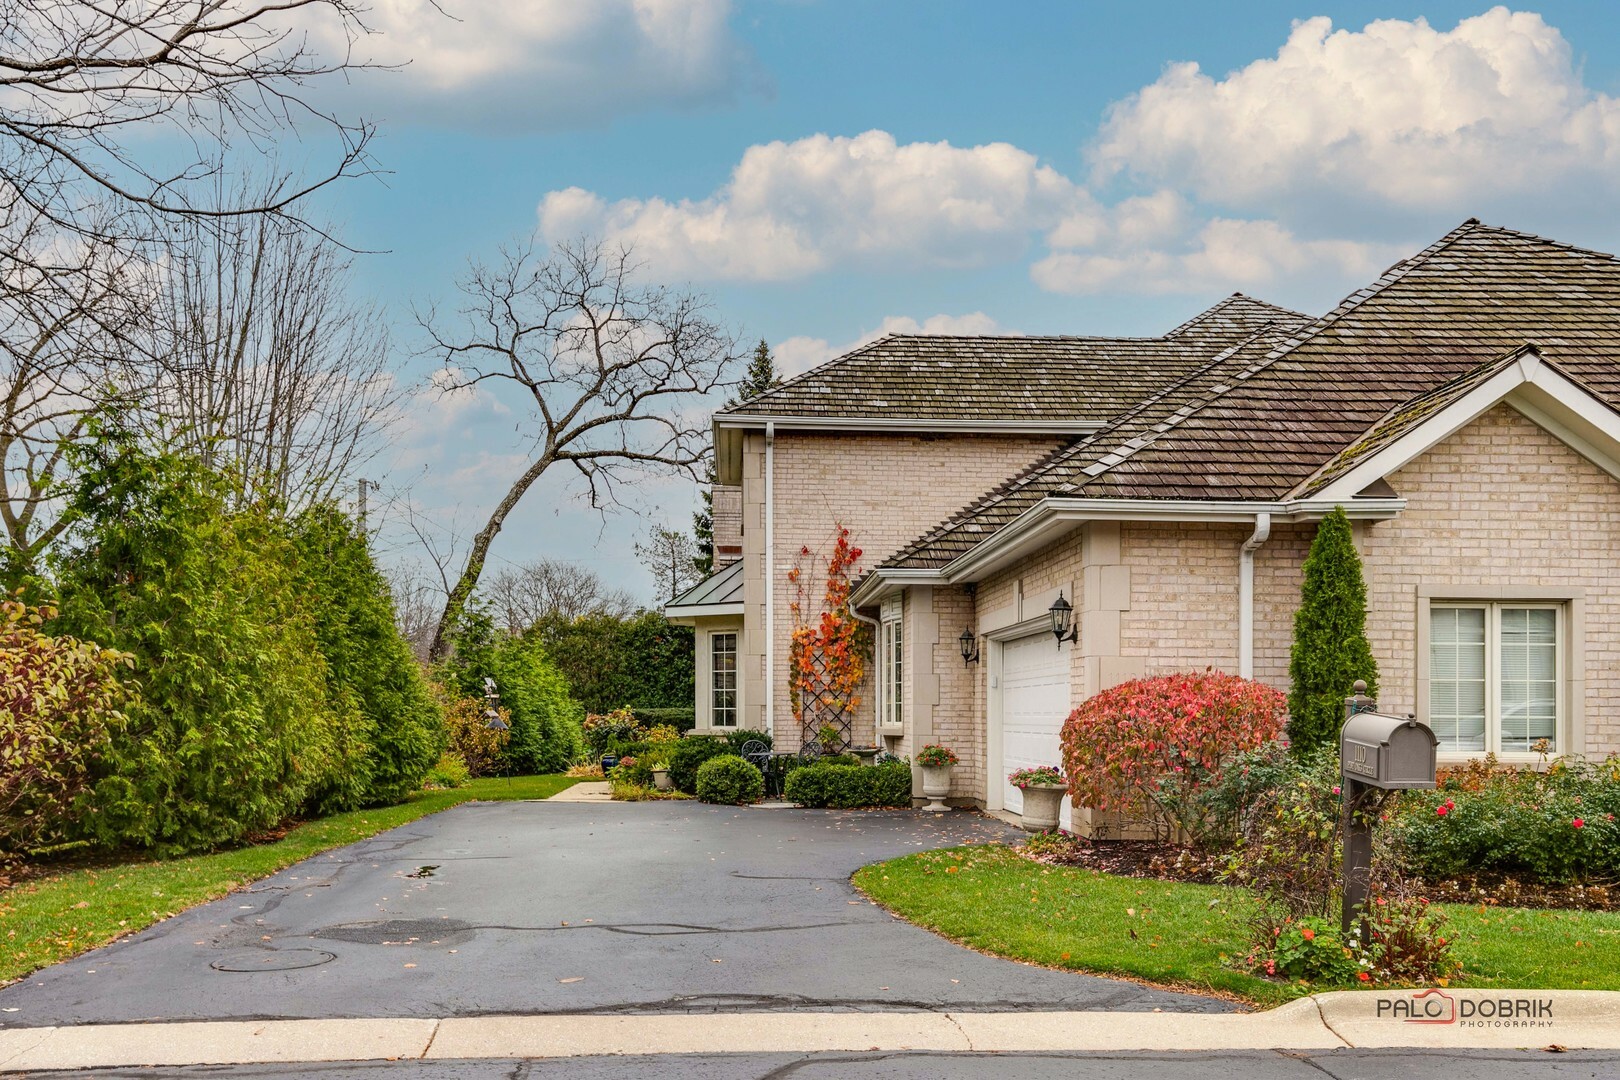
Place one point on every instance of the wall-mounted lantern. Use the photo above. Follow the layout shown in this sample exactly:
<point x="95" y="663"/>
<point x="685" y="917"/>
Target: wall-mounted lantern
<point x="1064" y="627"/>
<point x="970" y="646"/>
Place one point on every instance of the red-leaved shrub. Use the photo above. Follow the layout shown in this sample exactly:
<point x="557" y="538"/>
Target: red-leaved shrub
<point x="1154" y="747"/>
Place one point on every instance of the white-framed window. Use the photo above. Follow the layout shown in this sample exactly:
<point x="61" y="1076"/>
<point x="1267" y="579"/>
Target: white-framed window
<point x="1496" y="677"/>
<point x="723" y="679"/>
<point x="892" y="666"/>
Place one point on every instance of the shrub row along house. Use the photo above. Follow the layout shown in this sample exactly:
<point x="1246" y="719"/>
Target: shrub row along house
<point x="1461" y="409"/>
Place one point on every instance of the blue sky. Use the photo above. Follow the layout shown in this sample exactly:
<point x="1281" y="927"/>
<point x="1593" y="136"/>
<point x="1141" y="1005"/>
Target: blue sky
<point x="827" y="170"/>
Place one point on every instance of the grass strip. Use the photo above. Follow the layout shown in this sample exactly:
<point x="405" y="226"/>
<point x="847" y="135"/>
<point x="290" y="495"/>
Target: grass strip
<point x="1176" y="934"/>
<point x="49" y="919"/>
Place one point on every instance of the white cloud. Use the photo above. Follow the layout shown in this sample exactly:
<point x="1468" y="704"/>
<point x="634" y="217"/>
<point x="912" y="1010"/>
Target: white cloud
<point x="545" y="63"/>
<point x="1399" y="111"/>
<point x="1222" y="253"/>
<point x="797" y="355"/>
<point x="794" y="208"/>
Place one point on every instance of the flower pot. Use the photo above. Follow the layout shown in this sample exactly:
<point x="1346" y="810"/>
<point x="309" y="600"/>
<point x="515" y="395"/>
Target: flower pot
<point x="1042" y="803"/>
<point x="661" y="780"/>
<point x="936" y="784"/>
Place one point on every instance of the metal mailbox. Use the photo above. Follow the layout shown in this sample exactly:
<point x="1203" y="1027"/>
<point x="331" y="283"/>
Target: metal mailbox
<point x="1390" y="752"/>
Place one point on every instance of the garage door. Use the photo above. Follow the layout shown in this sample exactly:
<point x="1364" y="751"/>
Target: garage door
<point x="1034" y="704"/>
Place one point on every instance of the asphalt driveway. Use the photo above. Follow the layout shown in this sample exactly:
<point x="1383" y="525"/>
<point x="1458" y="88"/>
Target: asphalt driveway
<point x="557" y="907"/>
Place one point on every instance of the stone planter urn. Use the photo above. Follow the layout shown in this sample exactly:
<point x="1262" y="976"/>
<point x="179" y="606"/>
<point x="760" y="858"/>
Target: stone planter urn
<point x="1042" y="804"/>
<point x="661" y="780"/>
<point x="935" y="762"/>
<point x="936" y="784"/>
<point x="867" y="754"/>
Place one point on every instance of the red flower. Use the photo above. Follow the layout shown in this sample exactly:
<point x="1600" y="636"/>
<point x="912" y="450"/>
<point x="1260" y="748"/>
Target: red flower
<point x="1308" y="934"/>
<point x="1578" y="823"/>
<point x="1363" y="976"/>
<point x="1443" y="809"/>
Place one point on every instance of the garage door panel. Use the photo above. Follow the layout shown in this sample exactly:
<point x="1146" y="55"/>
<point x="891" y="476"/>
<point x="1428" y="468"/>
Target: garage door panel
<point x="1035" y="676"/>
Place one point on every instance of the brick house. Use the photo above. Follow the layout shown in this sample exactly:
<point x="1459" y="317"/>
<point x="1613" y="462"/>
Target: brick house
<point x="1462" y="409"/>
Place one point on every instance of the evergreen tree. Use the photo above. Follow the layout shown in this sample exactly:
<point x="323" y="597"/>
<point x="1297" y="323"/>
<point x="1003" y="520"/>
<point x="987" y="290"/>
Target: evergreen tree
<point x="1330" y="638"/>
<point x="703" y="525"/>
<point x="760" y="377"/>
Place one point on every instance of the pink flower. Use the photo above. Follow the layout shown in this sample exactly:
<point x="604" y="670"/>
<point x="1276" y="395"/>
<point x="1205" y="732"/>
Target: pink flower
<point x="1335" y="789"/>
<point x="1578" y="823"/>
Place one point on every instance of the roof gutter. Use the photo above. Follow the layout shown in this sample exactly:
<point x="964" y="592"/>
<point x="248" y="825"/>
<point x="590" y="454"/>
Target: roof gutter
<point x="886" y="581"/>
<point x="1019" y="426"/>
<point x="1056" y="514"/>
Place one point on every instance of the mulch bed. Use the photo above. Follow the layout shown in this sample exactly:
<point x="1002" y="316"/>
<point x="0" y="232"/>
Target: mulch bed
<point x="1172" y="862"/>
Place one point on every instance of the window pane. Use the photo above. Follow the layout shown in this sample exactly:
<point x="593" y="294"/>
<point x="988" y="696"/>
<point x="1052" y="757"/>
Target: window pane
<point x="1457" y="677"/>
<point x="723" y="680"/>
<point x="1529" y="679"/>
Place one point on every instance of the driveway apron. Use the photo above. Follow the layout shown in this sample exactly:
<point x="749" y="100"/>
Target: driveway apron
<point x="495" y="908"/>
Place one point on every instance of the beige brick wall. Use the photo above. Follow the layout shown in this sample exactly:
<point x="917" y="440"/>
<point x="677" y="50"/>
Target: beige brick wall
<point x="1278" y="573"/>
<point x="886" y="489"/>
<point x="1184" y="596"/>
<point x="727" y="513"/>
<point x="957" y="713"/>
<point x="1500" y="504"/>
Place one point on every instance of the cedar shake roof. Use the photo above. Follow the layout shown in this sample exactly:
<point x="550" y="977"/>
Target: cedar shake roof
<point x="1274" y="409"/>
<point x="940" y="377"/>
<point x="1407" y="416"/>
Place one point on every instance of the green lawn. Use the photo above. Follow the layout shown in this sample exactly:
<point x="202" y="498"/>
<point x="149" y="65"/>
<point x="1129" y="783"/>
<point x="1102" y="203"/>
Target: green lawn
<point x="1174" y="934"/>
<point x="52" y="918"/>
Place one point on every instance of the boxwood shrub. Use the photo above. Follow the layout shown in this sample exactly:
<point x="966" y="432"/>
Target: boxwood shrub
<point x="729" y="779"/>
<point x="847" y="787"/>
<point x="688" y="755"/>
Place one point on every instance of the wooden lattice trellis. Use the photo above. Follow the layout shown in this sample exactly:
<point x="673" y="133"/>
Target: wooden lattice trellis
<point x="827" y="657"/>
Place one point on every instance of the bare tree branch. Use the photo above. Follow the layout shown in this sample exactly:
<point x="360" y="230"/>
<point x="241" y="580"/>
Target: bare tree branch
<point x="269" y="372"/>
<point x="551" y="589"/>
<point x="611" y="373"/>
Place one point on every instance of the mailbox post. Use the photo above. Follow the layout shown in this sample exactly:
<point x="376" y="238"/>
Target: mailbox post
<point x="1377" y="753"/>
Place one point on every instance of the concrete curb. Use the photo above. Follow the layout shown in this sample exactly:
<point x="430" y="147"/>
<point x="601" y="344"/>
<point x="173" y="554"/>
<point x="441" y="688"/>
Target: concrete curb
<point x="1459" y="1019"/>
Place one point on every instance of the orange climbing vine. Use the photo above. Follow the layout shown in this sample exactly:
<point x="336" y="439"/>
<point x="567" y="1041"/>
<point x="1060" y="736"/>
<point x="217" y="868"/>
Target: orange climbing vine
<point x="828" y="653"/>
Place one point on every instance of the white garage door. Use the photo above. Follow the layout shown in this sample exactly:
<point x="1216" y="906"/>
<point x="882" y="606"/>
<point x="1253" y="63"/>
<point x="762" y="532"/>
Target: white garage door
<point x="1034" y="704"/>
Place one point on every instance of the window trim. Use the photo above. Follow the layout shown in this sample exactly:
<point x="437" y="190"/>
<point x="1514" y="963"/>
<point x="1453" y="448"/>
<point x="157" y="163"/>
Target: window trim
<point x="891" y="696"/>
<point x="1571" y="685"/>
<point x="707" y="718"/>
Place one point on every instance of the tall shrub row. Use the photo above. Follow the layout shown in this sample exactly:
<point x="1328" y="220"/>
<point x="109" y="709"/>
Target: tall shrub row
<point x="268" y="678"/>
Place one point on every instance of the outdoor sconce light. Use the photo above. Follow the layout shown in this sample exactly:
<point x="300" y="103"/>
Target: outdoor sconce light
<point x="970" y="646"/>
<point x="1063" y="625"/>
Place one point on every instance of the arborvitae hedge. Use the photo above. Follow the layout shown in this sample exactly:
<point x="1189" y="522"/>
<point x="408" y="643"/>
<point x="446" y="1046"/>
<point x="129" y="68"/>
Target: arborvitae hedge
<point x="400" y="731"/>
<point x="233" y="730"/>
<point x="1330" y="649"/>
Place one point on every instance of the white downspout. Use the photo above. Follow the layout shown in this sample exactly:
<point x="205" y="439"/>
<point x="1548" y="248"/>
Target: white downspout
<point x="770" y="579"/>
<point x="1262" y="533"/>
